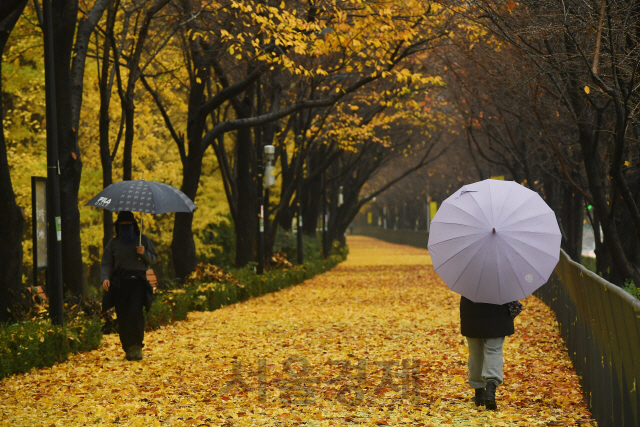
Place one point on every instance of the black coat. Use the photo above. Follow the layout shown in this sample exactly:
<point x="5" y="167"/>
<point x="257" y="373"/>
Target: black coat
<point x="480" y="320"/>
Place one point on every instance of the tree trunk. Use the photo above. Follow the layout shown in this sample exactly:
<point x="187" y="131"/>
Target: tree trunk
<point x="104" y="121"/>
<point x="183" y="247"/>
<point x="572" y="219"/>
<point x="11" y="219"/>
<point x="619" y="261"/>
<point x="311" y="192"/>
<point x="246" y="224"/>
<point x="602" y="255"/>
<point x="128" y="110"/>
<point x="589" y="126"/>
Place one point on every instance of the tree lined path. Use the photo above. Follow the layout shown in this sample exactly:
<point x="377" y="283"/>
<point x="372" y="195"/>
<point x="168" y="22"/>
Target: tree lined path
<point x="381" y="325"/>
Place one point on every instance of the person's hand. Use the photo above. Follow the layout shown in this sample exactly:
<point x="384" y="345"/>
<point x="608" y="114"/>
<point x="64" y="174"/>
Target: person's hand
<point x="140" y="249"/>
<point x="106" y="284"/>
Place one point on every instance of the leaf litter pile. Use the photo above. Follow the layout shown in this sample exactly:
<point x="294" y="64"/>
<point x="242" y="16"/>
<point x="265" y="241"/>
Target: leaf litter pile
<point x="375" y="341"/>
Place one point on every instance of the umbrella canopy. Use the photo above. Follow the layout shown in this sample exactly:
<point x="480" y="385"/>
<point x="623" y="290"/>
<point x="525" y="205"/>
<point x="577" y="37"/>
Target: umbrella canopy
<point x="142" y="196"/>
<point x="494" y="241"/>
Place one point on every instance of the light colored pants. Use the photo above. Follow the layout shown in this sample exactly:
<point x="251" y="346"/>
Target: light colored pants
<point x="485" y="361"/>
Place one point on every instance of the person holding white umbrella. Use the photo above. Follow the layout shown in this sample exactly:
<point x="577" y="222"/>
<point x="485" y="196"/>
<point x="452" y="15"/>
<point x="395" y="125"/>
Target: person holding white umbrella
<point x="494" y="243"/>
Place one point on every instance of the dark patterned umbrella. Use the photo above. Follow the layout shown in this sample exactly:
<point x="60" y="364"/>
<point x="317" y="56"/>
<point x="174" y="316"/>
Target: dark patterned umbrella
<point x="142" y="196"/>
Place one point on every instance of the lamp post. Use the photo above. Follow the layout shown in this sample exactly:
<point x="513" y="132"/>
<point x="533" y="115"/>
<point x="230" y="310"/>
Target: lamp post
<point x="259" y="184"/>
<point x="54" y="237"/>
<point x="324" y="216"/>
<point x="384" y="217"/>
<point x="299" y="234"/>
<point x="269" y="181"/>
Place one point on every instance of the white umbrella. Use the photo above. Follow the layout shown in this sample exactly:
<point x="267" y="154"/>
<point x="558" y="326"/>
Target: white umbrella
<point x="494" y="241"/>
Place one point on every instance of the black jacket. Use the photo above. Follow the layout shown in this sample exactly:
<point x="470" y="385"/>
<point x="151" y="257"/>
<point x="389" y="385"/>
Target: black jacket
<point x="120" y="256"/>
<point x="480" y="320"/>
<point x="110" y="298"/>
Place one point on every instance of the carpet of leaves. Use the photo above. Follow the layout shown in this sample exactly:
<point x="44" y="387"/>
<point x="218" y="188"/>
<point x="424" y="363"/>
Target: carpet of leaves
<point x="229" y="367"/>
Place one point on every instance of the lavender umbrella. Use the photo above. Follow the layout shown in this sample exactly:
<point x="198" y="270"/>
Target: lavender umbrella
<point x="494" y="241"/>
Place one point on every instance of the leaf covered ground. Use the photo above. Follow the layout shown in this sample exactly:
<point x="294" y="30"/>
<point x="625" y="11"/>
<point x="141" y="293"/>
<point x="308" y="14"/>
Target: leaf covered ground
<point x="375" y="341"/>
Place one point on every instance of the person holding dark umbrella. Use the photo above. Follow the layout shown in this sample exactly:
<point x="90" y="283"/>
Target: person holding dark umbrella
<point x="124" y="264"/>
<point x="125" y="261"/>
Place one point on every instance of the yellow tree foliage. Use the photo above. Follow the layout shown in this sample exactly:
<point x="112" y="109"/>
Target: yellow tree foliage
<point x="359" y="55"/>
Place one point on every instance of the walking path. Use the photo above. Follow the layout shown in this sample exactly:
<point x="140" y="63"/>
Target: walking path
<point x="375" y="341"/>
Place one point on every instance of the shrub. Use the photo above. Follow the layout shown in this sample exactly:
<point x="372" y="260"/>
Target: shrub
<point x="180" y="306"/>
<point x="35" y="344"/>
<point x="589" y="263"/>
<point x="630" y="287"/>
<point x="287" y="244"/>
<point x="220" y="238"/>
<point x="160" y="312"/>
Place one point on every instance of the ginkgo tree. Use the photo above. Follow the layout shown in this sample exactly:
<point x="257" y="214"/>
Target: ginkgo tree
<point x="11" y="217"/>
<point x="326" y="82"/>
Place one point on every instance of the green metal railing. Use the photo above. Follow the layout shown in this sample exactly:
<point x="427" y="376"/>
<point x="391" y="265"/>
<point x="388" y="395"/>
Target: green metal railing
<point x="600" y="324"/>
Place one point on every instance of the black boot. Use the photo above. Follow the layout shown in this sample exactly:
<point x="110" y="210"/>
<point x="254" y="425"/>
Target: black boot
<point x="490" y="401"/>
<point x="480" y="397"/>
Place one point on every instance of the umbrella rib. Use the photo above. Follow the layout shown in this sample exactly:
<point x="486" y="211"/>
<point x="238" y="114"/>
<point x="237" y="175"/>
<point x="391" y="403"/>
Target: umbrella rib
<point x="481" y="271"/>
<point x="492" y="223"/>
<point x="512" y="270"/>
<point x="525" y="242"/>
<point x="525" y="219"/>
<point x="457" y="237"/>
<point x="462" y="249"/>
<point x="521" y="256"/>
<point x="480" y="230"/>
<point x="480" y="208"/>
<point x="530" y="232"/>
<point x="516" y="208"/>
<point x="503" y="204"/>
<point x="465" y="268"/>
<point x="466" y="213"/>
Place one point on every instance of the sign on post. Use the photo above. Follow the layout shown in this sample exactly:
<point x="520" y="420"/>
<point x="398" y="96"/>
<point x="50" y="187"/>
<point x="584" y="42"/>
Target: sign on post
<point x="39" y="225"/>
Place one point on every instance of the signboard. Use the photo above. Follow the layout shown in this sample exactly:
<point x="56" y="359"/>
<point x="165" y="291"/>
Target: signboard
<point x="39" y="220"/>
<point x="433" y="208"/>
